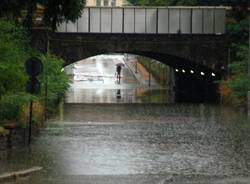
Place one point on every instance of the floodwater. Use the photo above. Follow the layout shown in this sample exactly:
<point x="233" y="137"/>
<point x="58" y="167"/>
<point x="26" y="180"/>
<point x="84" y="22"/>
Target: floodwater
<point x="137" y="143"/>
<point x="98" y="138"/>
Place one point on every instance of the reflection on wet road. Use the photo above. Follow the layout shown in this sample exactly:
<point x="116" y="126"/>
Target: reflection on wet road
<point x="137" y="144"/>
<point x="94" y="81"/>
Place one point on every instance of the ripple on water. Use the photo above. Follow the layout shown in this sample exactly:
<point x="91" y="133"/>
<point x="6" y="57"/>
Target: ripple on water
<point x="175" y="140"/>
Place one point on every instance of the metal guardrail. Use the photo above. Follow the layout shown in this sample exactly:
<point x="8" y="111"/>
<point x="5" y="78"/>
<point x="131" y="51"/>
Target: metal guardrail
<point x="149" y="20"/>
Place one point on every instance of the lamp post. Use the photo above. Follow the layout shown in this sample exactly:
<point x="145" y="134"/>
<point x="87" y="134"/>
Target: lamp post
<point x="46" y="78"/>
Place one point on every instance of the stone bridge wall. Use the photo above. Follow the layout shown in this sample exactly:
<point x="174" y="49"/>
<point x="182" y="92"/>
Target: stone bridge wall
<point x="187" y="51"/>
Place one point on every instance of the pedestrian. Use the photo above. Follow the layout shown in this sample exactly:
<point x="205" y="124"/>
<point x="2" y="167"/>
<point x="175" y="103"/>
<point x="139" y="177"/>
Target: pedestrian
<point x="118" y="72"/>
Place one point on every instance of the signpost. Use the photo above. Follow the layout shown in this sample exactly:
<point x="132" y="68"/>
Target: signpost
<point x="33" y="67"/>
<point x="248" y="94"/>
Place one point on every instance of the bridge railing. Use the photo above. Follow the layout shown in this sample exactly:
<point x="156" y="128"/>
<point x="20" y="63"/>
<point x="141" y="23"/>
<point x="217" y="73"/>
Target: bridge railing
<point x="150" y="20"/>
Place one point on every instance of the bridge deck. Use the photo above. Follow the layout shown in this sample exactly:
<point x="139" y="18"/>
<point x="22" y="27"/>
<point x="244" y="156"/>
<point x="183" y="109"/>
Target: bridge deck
<point x="149" y="20"/>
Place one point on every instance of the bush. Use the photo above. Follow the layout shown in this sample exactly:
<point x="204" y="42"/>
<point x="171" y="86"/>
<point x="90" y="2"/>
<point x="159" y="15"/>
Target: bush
<point x="55" y="78"/>
<point x="38" y="113"/>
<point x="14" y="51"/>
<point x="11" y="104"/>
<point x="235" y="88"/>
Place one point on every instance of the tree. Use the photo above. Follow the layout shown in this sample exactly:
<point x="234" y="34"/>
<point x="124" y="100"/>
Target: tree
<point x="55" y="11"/>
<point x="237" y="83"/>
<point x="11" y="8"/>
<point x="54" y="77"/>
<point x="238" y="30"/>
<point x="14" y="51"/>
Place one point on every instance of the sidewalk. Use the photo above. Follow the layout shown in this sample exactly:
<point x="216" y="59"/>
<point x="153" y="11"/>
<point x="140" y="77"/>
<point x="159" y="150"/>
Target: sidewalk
<point x="142" y="75"/>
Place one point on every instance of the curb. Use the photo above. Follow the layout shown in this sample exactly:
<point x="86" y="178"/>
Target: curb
<point x="17" y="174"/>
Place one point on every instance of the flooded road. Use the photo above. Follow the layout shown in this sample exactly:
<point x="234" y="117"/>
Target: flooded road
<point x="94" y="80"/>
<point x="137" y="143"/>
<point x="101" y="136"/>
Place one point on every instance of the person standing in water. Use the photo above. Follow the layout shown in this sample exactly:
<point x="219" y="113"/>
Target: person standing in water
<point x="118" y="72"/>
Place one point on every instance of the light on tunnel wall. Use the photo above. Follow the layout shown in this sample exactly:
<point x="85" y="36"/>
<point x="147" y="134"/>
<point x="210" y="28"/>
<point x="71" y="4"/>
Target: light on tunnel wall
<point x="191" y="71"/>
<point x="183" y="71"/>
<point x="202" y="73"/>
<point x="213" y="74"/>
<point x="176" y="70"/>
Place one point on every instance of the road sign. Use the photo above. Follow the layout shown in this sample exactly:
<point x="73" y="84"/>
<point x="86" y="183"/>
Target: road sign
<point x="33" y="86"/>
<point x="34" y="66"/>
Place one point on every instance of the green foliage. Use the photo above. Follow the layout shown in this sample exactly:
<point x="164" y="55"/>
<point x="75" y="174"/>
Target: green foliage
<point x="239" y="30"/>
<point x="57" y="11"/>
<point x="53" y="79"/>
<point x="241" y="63"/>
<point x="14" y="51"/>
<point x="54" y="11"/>
<point x="239" y="83"/>
<point x="11" y="105"/>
